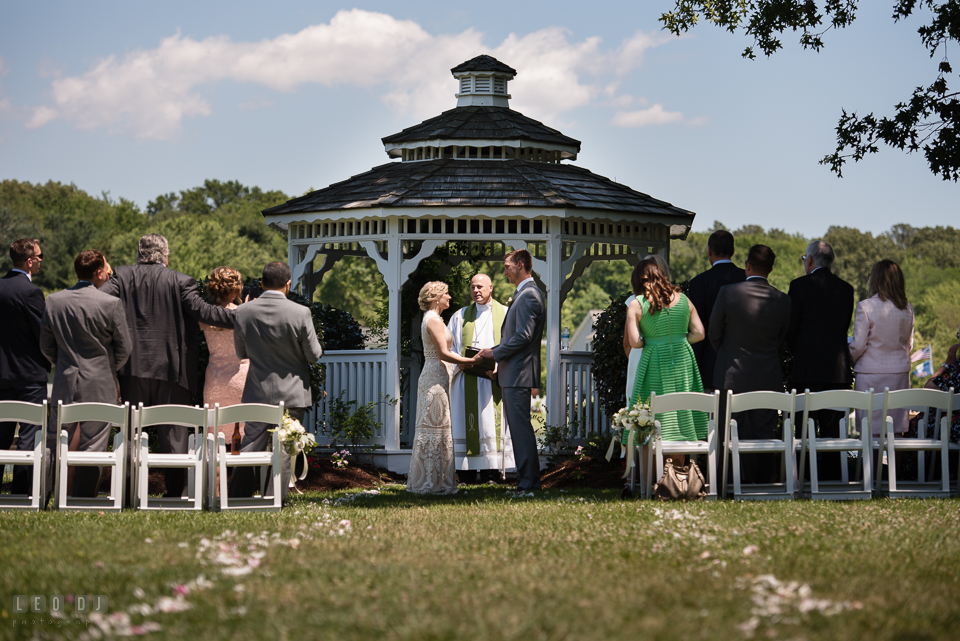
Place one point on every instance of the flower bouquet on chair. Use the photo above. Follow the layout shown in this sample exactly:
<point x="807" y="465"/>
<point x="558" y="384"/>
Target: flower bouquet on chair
<point x="296" y="441"/>
<point x="637" y="423"/>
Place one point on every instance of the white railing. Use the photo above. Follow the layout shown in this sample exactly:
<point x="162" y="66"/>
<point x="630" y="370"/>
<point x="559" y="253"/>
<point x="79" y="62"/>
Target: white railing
<point x="583" y="411"/>
<point x="361" y="376"/>
<point x="351" y="375"/>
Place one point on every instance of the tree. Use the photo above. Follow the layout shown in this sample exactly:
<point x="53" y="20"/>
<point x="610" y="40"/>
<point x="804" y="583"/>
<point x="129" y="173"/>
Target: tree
<point x="927" y="120"/>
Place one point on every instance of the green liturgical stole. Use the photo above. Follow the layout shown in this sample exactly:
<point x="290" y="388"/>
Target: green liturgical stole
<point x="471" y="396"/>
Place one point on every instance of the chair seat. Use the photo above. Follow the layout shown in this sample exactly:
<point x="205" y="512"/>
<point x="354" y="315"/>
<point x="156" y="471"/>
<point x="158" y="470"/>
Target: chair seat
<point x="85" y="459"/>
<point x="837" y="444"/>
<point x="751" y="447"/>
<point x="248" y="458"/>
<point x="173" y="460"/>
<point x="16" y="458"/>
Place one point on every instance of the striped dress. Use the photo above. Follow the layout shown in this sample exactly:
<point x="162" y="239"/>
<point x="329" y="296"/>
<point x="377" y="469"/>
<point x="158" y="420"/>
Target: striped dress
<point x="668" y="365"/>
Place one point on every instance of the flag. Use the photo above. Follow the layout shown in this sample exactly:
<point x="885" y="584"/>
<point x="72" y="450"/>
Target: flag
<point x="924" y="369"/>
<point x="924" y="354"/>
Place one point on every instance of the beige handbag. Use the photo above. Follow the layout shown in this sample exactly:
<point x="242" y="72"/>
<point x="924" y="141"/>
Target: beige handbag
<point x="680" y="483"/>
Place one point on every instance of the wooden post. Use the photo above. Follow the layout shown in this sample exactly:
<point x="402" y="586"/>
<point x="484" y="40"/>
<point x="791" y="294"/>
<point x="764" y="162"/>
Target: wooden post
<point x="556" y="396"/>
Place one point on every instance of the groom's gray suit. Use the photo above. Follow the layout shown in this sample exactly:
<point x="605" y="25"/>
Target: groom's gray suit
<point x="278" y="337"/>
<point x="518" y="370"/>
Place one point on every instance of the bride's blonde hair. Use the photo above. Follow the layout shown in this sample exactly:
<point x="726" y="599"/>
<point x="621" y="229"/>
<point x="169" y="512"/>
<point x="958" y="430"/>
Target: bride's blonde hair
<point x="430" y="292"/>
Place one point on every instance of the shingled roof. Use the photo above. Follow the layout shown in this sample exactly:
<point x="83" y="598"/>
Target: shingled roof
<point x="480" y="183"/>
<point x="486" y="123"/>
<point x="483" y="63"/>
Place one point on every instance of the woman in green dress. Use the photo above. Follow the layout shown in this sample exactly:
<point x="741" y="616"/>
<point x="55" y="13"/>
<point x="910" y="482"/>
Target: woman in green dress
<point x="664" y="323"/>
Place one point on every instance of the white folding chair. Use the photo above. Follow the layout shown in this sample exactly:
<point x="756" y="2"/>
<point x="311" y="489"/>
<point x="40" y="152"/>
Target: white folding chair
<point x="698" y="402"/>
<point x="243" y="413"/>
<point x="192" y="460"/>
<point x="114" y="414"/>
<point x="921" y="400"/>
<point x="26" y="413"/>
<point x="783" y="402"/>
<point x="849" y="440"/>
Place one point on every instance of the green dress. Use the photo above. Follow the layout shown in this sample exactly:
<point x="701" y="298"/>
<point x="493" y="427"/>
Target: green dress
<point x="667" y="365"/>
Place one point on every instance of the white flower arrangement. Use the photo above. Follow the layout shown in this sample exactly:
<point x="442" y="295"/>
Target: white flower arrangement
<point x="295" y="440"/>
<point x="638" y="418"/>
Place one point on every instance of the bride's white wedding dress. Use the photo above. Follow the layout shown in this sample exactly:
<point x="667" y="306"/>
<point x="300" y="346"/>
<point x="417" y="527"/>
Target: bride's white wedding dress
<point x="432" y="468"/>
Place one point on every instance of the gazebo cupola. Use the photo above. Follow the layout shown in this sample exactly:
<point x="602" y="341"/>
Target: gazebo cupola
<point x="482" y="127"/>
<point x="477" y="180"/>
<point x="483" y="82"/>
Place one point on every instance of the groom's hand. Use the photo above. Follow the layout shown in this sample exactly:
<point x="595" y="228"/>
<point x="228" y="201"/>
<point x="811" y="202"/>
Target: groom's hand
<point x="485" y="353"/>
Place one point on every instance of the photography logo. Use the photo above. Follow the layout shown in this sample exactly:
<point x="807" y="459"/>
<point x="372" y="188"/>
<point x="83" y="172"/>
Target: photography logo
<point x="29" y="609"/>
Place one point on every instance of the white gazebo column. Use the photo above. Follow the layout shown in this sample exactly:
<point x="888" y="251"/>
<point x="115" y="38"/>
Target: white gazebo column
<point x="556" y="397"/>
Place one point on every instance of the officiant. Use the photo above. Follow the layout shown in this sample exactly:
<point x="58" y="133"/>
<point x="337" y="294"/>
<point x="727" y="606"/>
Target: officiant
<point x="480" y="436"/>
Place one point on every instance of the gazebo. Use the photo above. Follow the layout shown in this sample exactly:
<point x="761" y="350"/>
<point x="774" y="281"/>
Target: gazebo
<point x="485" y="174"/>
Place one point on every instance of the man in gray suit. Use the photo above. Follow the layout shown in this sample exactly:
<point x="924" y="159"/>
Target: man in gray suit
<point x="518" y="363"/>
<point x="748" y="323"/>
<point x="278" y="337"/>
<point x="84" y="334"/>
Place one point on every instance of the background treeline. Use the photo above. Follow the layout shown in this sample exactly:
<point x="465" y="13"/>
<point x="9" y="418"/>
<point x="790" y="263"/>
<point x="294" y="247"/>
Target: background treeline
<point x="220" y="223"/>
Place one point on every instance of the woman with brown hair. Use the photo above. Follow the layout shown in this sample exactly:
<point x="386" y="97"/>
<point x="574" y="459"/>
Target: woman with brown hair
<point x="664" y="323"/>
<point x="226" y="374"/>
<point x="883" y="339"/>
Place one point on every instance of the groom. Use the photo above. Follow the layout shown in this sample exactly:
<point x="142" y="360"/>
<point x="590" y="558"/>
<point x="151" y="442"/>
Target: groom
<point x="518" y="363"/>
<point x="278" y="337"/>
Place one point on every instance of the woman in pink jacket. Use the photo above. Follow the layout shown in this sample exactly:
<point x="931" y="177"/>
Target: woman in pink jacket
<point x="883" y="339"/>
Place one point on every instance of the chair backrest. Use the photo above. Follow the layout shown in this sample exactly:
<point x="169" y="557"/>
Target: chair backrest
<point x="106" y="412"/>
<point x="843" y="400"/>
<point x="695" y="401"/>
<point x="782" y="401"/>
<point x="258" y="412"/>
<point x="919" y="399"/>
<point x="172" y="415"/>
<point x="33" y="413"/>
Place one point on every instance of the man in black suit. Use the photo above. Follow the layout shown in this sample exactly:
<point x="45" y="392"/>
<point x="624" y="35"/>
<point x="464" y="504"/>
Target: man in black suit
<point x="822" y="305"/>
<point x="23" y="368"/>
<point x="703" y="294"/>
<point x="748" y="323"/>
<point x="162" y="307"/>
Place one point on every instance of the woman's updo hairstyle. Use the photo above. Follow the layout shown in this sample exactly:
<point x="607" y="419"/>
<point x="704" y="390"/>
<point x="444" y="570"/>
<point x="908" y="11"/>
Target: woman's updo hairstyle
<point x="223" y="282"/>
<point x="649" y="281"/>
<point x="430" y="292"/>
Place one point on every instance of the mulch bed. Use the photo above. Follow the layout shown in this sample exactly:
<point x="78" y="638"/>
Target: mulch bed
<point x="324" y="476"/>
<point x="587" y="472"/>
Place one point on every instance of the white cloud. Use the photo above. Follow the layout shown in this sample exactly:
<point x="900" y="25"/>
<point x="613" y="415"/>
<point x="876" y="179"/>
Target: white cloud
<point x="652" y="116"/>
<point x="147" y="93"/>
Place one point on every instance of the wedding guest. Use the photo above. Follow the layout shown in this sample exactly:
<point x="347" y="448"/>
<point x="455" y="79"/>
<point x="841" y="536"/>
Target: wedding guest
<point x="947" y="377"/>
<point x="883" y="339"/>
<point x="84" y="334"/>
<point x="163" y="308"/>
<point x="432" y="466"/>
<point x="665" y="324"/>
<point x="748" y="323"/>
<point x="703" y="292"/>
<point x="23" y="368"/>
<point x="633" y="355"/>
<point x="821" y="307"/>
<point x="278" y="337"/>
<point x="226" y="373"/>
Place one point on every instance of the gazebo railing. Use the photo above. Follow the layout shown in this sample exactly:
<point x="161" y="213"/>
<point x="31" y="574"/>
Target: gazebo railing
<point x="582" y="410"/>
<point x="351" y="375"/>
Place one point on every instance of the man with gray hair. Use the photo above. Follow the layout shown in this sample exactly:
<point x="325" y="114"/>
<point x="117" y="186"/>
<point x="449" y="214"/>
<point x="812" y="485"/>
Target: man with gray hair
<point x="162" y="308"/>
<point x="821" y="308"/>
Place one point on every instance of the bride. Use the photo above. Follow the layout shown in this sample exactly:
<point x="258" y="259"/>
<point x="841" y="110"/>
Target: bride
<point x="432" y="468"/>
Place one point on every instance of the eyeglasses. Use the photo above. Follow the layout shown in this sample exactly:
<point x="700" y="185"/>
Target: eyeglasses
<point x="803" y="258"/>
<point x="40" y="256"/>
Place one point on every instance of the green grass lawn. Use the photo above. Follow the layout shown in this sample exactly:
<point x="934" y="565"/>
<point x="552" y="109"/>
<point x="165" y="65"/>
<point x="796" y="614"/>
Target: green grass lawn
<point x="486" y="565"/>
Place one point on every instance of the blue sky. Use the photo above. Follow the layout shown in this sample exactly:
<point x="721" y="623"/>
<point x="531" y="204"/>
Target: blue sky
<point x="143" y="98"/>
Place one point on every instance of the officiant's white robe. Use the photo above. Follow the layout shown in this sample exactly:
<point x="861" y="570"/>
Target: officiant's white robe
<point x="489" y="456"/>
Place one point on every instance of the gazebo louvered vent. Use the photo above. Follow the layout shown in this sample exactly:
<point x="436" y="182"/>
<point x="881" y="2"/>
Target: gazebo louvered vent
<point x="485" y="174"/>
